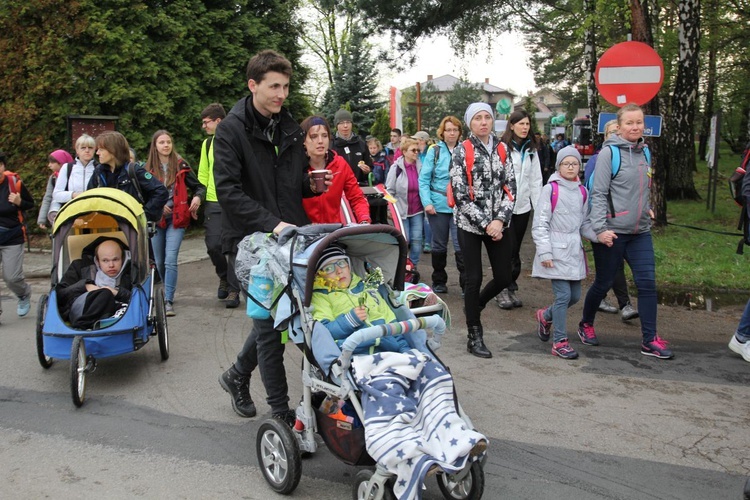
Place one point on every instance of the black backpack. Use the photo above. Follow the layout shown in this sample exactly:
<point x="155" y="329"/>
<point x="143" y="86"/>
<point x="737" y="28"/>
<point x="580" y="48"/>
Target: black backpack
<point x="736" y="182"/>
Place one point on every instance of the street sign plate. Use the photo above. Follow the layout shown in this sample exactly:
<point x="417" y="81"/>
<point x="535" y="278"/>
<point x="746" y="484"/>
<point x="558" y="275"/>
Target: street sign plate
<point x="652" y="124"/>
<point x="629" y="72"/>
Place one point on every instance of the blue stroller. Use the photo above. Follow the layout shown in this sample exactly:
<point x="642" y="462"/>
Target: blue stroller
<point x="96" y="213"/>
<point x="326" y="373"/>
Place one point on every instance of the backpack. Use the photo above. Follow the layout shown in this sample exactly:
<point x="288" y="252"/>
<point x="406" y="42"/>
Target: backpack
<point x="14" y="186"/>
<point x="735" y="180"/>
<point x="502" y="152"/>
<point x="616" y="161"/>
<point x="556" y="194"/>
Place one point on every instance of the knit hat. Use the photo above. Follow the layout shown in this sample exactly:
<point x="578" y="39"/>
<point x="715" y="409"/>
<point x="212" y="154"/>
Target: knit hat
<point x="330" y="254"/>
<point x="341" y="115"/>
<point x="565" y="152"/>
<point x="61" y="156"/>
<point x="421" y="135"/>
<point x="475" y="108"/>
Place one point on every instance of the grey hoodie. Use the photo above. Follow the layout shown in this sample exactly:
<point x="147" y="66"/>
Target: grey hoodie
<point x="629" y="190"/>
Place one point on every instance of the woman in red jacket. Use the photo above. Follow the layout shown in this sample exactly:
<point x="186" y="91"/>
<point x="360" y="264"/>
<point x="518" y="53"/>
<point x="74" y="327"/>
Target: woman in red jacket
<point x="326" y="208"/>
<point x="174" y="172"/>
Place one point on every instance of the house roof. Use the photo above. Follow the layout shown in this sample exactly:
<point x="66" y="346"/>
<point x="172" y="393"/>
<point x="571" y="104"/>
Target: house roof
<point x="446" y="83"/>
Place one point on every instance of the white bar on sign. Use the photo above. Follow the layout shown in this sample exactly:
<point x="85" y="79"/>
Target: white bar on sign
<point x="629" y="74"/>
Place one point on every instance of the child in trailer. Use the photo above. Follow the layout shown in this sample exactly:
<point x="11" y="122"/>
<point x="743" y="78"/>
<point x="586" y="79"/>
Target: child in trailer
<point x="558" y="224"/>
<point x="412" y="427"/>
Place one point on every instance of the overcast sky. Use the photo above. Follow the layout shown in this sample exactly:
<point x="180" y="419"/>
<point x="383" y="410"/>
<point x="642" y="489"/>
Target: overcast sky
<point x="506" y="67"/>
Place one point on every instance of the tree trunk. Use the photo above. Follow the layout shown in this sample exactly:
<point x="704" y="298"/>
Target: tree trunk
<point x="708" y="100"/>
<point x="641" y="24"/>
<point x="589" y="55"/>
<point x="680" y="183"/>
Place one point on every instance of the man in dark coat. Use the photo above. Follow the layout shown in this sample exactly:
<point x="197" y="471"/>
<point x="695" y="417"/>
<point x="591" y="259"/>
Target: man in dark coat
<point x="352" y="147"/>
<point x="260" y="180"/>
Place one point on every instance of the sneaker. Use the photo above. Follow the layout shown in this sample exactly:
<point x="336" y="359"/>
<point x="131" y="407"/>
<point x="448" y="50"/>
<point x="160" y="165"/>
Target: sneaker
<point x="514" y="299"/>
<point x="238" y="386"/>
<point x="741" y="348"/>
<point x="439" y="288"/>
<point x="223" y="291"/>
<point x="587" y="334"/>
<point x="629" y="312"/>
<point x="503" y="300"/>
<point x="605" y="306"/>
<point x="169" y="309"/>
<point x="427" y="249"/>
<point x="564" y="350"/>
<point x="233" y="300"/>
<point x="288" y="416"/>
<point x="544" y="327"/>
<point x="657" y="348"/>
<point x="24" y="305"/>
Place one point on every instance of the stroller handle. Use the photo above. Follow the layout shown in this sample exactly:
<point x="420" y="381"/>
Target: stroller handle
<point x="434" y="323"/>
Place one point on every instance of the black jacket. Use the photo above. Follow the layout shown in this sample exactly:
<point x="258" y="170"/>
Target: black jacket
<point x="9" y="213"/>
<point x="257" y="187"/>
<point x="354" y="150"/>
<point x="155" y="195"/>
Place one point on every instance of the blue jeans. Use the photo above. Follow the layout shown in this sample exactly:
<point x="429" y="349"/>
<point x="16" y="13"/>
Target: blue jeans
<point x="638" y="250"/>
<point x="166" y="244"/>
<point x="743" y="329"/>
<point x="443" y="226"/>
<point x="414" y="227"/>
<point x="567" y="293"/>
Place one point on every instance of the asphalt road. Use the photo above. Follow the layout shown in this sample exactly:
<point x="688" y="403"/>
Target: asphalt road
<point x="613" y="424"/>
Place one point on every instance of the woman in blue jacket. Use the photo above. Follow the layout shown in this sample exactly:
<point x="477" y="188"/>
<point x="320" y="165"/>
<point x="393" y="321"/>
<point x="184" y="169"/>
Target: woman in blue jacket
<point x="433" y="181"/>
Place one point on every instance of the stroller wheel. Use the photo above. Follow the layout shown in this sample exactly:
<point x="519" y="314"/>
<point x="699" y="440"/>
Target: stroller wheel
<point x="78" y="366"/>
<point x="279" y="455"/>
<point x="469" y="487"/>
<point x="41" y="312"/>
<point x="162" y="328"/>
<point x="362" y="490"/>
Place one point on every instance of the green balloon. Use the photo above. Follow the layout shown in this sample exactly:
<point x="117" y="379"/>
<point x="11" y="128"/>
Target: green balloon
<point x="503" y="106"/>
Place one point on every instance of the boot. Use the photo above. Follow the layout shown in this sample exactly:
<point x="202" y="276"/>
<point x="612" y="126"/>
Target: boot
<point x="238" y="386"/>
<point x="475" y="345"/>
<point x="439" y="276"/>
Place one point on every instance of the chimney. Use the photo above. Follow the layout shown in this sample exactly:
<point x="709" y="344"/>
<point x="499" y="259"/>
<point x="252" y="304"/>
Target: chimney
<point x="486" y="80"/>
<point x="429" y="77"/>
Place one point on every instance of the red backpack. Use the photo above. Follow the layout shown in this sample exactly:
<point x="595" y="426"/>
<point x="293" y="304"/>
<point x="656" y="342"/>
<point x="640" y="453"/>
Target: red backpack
<point x="14" y="186"/>
<point x="502" y="152"/>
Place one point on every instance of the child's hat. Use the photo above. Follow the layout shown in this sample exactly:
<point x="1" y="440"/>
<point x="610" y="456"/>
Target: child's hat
<point x="330" y="254"/>
<point x="564" y="153"/>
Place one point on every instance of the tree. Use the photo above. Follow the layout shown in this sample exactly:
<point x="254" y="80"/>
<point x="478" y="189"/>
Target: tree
<point x="153" y="65"/>
<point x="381" y="128"/>
<point x="354" y="84"/>
<point x="329" y="25"/>
<point x="682" y="116"/>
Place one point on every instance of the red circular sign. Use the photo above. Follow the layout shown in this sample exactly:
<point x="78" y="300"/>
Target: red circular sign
<point x="629" y="72"/>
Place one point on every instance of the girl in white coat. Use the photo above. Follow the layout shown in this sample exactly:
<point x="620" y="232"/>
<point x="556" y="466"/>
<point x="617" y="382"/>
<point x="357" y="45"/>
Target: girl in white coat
<point x="558" y="224"/>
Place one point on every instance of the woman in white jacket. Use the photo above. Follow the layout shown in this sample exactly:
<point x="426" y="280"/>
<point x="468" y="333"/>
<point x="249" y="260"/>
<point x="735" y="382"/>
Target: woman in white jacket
<point x="560" y="257"/>
<point x="524" y="151"/>
<point x="74" y="177"/>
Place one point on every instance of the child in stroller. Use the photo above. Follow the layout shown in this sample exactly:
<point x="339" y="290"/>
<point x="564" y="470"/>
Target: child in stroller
<point x="401" y="392"/>
<point x="97" y="285"/>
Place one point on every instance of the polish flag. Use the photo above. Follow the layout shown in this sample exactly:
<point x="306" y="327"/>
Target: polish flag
<point x="395" y="111"/>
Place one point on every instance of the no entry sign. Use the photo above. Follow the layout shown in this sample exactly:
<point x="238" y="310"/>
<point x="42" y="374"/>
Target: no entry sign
<point x="629" y="72"/>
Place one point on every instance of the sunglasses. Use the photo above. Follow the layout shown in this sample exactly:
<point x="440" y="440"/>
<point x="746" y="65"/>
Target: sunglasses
<point x="414" y="150"/>
<point x="331" y="268"/>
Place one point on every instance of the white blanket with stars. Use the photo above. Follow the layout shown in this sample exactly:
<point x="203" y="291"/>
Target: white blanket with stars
<point x="411" y="420"/>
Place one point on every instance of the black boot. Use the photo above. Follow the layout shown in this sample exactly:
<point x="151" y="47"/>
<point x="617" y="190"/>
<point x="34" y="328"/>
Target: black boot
<point x="439" y="276"/>
<point x="476" y="343"/>
<point x="238" y="386"/>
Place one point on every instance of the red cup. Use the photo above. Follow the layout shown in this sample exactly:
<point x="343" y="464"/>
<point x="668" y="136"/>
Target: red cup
<point x="319" y="176"/>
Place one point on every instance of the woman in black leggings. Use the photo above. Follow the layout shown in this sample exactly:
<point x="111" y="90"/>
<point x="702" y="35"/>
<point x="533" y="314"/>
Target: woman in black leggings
<point x="484" y="190"/>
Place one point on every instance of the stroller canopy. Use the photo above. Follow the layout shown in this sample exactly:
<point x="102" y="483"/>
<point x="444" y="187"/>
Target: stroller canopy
<point x="101" y="212"/>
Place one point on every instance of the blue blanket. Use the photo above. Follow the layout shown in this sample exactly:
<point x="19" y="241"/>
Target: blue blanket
<point x="411" y="421"/>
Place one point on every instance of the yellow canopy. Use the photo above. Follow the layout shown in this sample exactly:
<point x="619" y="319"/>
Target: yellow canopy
<point x="104" y="200"/>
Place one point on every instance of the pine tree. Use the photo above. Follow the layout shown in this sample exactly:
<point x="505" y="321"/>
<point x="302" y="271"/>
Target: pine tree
<point x="354" y="85"/>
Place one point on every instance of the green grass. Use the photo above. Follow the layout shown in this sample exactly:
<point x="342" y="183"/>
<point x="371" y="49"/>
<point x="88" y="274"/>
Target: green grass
<point x="702" y="260"/>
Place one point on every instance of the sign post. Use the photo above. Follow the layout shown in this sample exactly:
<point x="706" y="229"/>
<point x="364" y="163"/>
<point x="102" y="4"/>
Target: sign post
<point x="629" y="72"/>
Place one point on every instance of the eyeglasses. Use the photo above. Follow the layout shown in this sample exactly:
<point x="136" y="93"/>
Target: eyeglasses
<point x="206" y="121"/>
<point x="413" y="150"/>
<point x="570" y="164"/>
<point x="345" y="122"/>
<point x="331" y="268"/>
